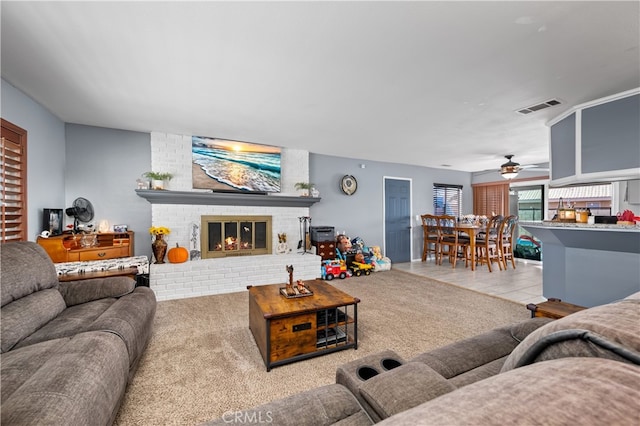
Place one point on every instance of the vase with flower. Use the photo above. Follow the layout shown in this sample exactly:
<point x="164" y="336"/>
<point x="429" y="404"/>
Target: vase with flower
<point x="159" y="245"/>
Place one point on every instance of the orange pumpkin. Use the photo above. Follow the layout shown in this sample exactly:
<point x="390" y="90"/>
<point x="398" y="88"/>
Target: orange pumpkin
<point x="178" y="254"/>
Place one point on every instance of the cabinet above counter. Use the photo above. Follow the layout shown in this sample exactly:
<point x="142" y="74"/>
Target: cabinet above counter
<point x="598" y="141"/>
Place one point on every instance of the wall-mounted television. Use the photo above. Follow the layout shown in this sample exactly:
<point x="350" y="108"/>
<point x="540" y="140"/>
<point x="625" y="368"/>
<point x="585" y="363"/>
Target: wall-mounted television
<point x="233" y="166"/>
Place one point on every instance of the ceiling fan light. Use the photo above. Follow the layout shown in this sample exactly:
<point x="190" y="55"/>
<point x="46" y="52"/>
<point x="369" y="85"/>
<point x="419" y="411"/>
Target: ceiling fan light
<point x="508" y="174"/>
<point x="510" y="169"/>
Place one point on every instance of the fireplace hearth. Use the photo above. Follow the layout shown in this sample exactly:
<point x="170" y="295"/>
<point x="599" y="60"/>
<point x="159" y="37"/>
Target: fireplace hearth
<point x="224" y="236"/>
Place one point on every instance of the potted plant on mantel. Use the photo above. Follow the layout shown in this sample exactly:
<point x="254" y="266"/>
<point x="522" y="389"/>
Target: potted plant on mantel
<point x="158" y="179"/>
<point x="304" y="187"/>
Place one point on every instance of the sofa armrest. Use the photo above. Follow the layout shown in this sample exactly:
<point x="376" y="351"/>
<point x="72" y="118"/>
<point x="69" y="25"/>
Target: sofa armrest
<point x="468" y="354"/>
<point x="605" y="331"/>
<point x="557" y="392"/>
<point x="323" y="406"/>
<point x="402" y="388"/>
<point x="83" y="291"/>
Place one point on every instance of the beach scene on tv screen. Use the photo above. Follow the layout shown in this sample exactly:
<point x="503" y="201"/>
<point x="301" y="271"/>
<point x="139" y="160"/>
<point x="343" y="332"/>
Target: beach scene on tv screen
<point x="225" y="165"/>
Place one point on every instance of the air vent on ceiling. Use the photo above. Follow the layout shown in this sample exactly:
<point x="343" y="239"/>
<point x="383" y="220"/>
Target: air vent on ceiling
<point x="538" y="107"/>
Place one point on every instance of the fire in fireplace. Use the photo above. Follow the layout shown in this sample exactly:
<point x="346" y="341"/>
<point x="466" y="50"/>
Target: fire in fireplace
<point x="235" y="236"/>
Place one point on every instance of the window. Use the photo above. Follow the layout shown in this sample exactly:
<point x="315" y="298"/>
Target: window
<point x="447" y="199"/>
<point x="13" y="183"/>
<point x="596" y="198"/>
<point x="529" y="201"/>
<point x="491" y="198"/>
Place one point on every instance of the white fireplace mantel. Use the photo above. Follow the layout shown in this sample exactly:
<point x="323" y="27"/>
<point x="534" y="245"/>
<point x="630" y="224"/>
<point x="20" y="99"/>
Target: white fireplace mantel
<point x="223" y="198"/>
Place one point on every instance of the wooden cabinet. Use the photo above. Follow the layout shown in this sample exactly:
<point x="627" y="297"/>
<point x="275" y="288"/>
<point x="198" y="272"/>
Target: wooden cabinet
<point x="69" y="247"/>
<point x="597" y="141"/>
<point x="326" y="249"/>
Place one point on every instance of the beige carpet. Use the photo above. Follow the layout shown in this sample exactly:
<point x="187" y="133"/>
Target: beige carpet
<point x="202" y="360"/>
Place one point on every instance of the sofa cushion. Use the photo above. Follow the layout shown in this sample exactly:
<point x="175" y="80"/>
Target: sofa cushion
<point x="468" y="354"/>
<point x="26" y="268"/>
<point x="17" y="369"/>
<point x="323" y="406"/>
<point x="131" y="318"/>
<point x="402" y="388"/>
<point x="75" y="381"/>
<point x="606" y="331"/>
<point x="69" y="322"/>
<point x="22" y="317"/>
<point x="559" y="392"/>
<point x="77" y="292"/>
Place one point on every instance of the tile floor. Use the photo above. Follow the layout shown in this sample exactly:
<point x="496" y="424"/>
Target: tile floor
<point x="522" y="285"/>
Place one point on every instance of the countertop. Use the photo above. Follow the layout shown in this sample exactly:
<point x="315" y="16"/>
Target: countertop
<point x="582" y="226"/>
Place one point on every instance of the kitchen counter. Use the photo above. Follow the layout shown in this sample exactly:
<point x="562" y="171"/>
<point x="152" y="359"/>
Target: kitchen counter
<point x="576" y="225"/>
<point x="588" y="264"/>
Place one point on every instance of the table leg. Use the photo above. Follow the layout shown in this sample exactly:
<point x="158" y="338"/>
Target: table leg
<point x="472" y="247"/>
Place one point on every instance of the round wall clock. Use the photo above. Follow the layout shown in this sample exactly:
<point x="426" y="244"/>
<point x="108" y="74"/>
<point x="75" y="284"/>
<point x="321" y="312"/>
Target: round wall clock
<point x="349" y="184"/>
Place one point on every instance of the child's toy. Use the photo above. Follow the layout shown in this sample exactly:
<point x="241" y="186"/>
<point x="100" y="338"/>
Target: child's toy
<point x="382" y="263"/>
<point x="334" y="268"/>
<point x="375" y="250"/>
<point x="358" y="244"/>
<point x="359" y="268"/>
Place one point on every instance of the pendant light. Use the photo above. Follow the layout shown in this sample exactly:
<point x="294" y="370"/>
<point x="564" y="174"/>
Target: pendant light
<point x="510" y="169"/>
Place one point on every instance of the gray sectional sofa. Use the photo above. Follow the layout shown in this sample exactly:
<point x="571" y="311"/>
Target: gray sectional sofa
<point x="68" y="349"/>
<point x="581" y="369"/>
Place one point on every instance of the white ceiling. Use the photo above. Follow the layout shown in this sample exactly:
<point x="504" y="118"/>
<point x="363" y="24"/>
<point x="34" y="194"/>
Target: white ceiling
<point x="425" y="83"/>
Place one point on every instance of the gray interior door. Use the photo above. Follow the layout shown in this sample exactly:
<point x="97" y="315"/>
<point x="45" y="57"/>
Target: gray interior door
<point x="397" y="221"/>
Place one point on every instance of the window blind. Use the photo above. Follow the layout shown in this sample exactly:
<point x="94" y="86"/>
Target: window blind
<point x="13" y="183"/>
<point x="447" y="199"/>
<point x="491" y="199"/>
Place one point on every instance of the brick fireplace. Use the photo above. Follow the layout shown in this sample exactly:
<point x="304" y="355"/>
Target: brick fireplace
<point x="181" y="208"/>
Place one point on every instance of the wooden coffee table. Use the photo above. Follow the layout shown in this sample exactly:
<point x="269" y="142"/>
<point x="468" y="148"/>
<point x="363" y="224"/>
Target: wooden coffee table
<point x="290" y="330"/>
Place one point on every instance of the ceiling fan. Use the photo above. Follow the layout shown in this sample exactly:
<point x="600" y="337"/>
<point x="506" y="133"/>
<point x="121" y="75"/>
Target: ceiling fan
<point x="510" y="169"/>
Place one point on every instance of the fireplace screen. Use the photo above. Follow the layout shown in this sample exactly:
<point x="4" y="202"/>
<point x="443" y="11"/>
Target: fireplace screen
<point x="235" y="236"/>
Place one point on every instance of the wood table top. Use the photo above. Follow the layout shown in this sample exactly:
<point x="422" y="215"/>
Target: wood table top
<point x="273" y="304"/>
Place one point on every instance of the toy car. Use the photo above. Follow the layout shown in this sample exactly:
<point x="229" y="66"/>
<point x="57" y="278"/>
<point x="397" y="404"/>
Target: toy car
<point x="334" y="268"/>
<point x="359" y="268"/>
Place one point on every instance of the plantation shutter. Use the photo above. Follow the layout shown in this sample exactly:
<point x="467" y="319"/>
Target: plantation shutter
<point x="491" y="198"/>
<point x="13" y="183"/>
<point x="447" y="199"/>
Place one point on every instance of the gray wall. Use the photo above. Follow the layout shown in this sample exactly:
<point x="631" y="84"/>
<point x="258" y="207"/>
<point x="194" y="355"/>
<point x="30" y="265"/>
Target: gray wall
<point x="46" y="162"/>
<point x="103" y="167"/>
<point x="361" y="214"/>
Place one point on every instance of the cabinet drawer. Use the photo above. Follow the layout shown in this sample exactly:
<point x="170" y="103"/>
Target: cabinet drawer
<point x="104" y="253"/>
<point x="326" y="249"/>
<point x="293" y="336"/>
